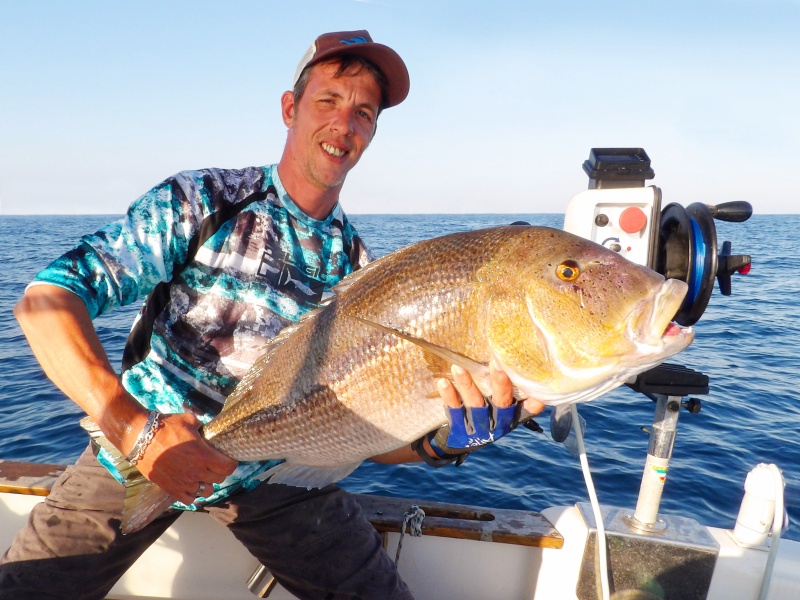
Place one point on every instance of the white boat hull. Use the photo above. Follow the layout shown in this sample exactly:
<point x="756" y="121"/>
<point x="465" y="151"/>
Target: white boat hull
<point x="198" y="559"/>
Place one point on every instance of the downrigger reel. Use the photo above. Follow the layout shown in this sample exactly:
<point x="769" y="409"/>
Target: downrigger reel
<point x="621" y="213"/>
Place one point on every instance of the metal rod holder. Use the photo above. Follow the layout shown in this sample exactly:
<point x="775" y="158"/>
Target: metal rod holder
<point x="659" y="452"/>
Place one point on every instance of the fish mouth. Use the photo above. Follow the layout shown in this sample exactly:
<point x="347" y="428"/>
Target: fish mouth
<point x="651" y="326"/>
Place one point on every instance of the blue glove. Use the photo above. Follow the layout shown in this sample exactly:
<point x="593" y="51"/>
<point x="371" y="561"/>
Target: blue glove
<point x="470" y="428"/>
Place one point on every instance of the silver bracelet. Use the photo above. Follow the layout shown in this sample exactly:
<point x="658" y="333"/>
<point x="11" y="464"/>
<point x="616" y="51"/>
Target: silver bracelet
<point x="145" y="437"/>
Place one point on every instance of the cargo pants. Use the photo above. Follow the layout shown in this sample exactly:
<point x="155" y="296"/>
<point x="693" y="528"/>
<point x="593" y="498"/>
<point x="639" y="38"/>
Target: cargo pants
<point x="317" y="543"/>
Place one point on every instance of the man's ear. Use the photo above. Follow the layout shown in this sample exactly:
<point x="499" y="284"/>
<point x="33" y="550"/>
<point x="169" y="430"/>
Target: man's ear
<point x="287" y="108"/>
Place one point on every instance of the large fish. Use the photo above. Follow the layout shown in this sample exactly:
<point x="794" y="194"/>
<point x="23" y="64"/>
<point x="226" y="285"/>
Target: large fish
<point x="565" y="318"/>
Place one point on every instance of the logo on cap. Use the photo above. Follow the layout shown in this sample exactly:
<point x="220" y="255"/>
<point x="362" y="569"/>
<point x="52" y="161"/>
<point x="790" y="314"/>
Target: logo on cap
<point x="355" y="40"/>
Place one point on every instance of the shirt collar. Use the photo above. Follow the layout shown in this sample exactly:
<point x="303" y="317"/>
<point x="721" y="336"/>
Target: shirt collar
<point x="295" y="210"/>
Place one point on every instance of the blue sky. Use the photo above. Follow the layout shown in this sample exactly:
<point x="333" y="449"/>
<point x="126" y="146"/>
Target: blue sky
<point x="102" y="100"/>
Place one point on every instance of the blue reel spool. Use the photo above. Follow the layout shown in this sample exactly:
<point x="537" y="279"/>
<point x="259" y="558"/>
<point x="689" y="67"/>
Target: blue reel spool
<point x="687" y="250"/>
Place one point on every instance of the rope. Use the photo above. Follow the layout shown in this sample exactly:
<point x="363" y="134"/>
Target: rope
<point x="414" y="517"/>
<point x="600" y="539"/>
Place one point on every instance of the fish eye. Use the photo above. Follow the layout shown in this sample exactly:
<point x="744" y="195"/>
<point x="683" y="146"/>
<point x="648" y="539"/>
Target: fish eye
<point x="568" y="270"/>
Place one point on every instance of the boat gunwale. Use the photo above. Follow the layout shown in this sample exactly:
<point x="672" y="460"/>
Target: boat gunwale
<point x="386" y="513"/>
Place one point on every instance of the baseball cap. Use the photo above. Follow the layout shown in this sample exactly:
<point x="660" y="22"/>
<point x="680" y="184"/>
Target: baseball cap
<point x="359" y="43"/>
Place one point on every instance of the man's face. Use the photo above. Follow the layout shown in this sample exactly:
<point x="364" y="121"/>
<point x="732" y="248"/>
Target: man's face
<point x="332" y="124"/>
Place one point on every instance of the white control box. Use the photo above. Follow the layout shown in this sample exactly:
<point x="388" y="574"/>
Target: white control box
<point x="625" y="220"/>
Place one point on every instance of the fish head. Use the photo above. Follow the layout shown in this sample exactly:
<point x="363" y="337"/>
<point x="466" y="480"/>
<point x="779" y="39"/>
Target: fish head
<point x="576" y="319"/>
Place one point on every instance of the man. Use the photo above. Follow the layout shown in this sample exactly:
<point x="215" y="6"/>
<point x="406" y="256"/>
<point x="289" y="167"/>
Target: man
<point x="245" y="252"/>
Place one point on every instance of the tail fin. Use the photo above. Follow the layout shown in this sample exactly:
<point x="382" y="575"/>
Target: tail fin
<point x="144" y="500"/>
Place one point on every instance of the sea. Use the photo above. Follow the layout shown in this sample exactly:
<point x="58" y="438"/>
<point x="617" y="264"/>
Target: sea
<point x="748" y="344"/>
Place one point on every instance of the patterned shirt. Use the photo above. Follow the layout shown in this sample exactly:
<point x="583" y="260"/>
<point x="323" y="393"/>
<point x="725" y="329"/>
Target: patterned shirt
<point x="263" y="269"/>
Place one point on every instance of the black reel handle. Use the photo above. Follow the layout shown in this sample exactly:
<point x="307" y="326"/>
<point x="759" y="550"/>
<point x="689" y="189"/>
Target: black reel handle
<point x="737" y="211"/>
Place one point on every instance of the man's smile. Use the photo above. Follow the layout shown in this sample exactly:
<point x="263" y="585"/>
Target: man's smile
<point x="333" y="150"/>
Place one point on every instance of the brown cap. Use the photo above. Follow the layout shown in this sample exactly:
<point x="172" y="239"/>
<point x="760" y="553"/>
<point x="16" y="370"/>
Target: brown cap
<point x="359" y="43"/>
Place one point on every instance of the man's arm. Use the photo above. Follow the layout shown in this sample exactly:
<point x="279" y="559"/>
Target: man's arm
<point x="62" y="336"/>
<point x="463" y="393"/>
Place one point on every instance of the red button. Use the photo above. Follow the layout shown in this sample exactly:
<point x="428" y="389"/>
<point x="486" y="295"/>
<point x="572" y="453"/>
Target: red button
<point x="632" y="220"/>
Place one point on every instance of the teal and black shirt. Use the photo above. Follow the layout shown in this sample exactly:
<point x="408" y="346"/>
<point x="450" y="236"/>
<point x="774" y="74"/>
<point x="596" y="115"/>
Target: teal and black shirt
<point x="262" y="270"/>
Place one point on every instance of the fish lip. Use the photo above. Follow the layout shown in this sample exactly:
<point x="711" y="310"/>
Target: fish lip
<point x="651" y="323"/>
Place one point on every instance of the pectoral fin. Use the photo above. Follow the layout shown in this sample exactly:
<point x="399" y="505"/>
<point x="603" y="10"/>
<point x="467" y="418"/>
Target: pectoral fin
<point x="440" y="359"/>
<point x="307" y="476"/>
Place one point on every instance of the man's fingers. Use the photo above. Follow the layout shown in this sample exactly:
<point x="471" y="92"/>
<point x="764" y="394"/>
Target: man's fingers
<point x="218" y="463"/>
<point x="533" y="406"/>
<point x="205" y="455"/>
<point x="448" y="393"/>
<point x="502" y="388"/>
<point x="218" y="474"/>
<point x="464" y="391"/>
<point x="469" y="392"/>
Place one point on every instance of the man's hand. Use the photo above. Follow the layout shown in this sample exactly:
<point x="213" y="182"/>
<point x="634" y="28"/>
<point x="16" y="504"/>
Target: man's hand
<point x="473" y="423"/>
<point x="464" y="393"/>
<point x="178" y="459"/>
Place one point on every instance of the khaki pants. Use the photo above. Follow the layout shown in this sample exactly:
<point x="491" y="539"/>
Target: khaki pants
<point x="317" y="543"/>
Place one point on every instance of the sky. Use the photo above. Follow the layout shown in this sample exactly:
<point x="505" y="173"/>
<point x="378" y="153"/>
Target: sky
<point x="101" y="100"/>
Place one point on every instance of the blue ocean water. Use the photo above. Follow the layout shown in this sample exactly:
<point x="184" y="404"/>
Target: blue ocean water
<point x="747" y="343"/>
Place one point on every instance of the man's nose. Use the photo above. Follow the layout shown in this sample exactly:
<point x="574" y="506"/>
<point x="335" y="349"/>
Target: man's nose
<point x="343" y="121"/>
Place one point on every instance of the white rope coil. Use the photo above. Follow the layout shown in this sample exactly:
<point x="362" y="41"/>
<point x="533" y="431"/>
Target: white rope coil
<point x="412" y="518"/>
